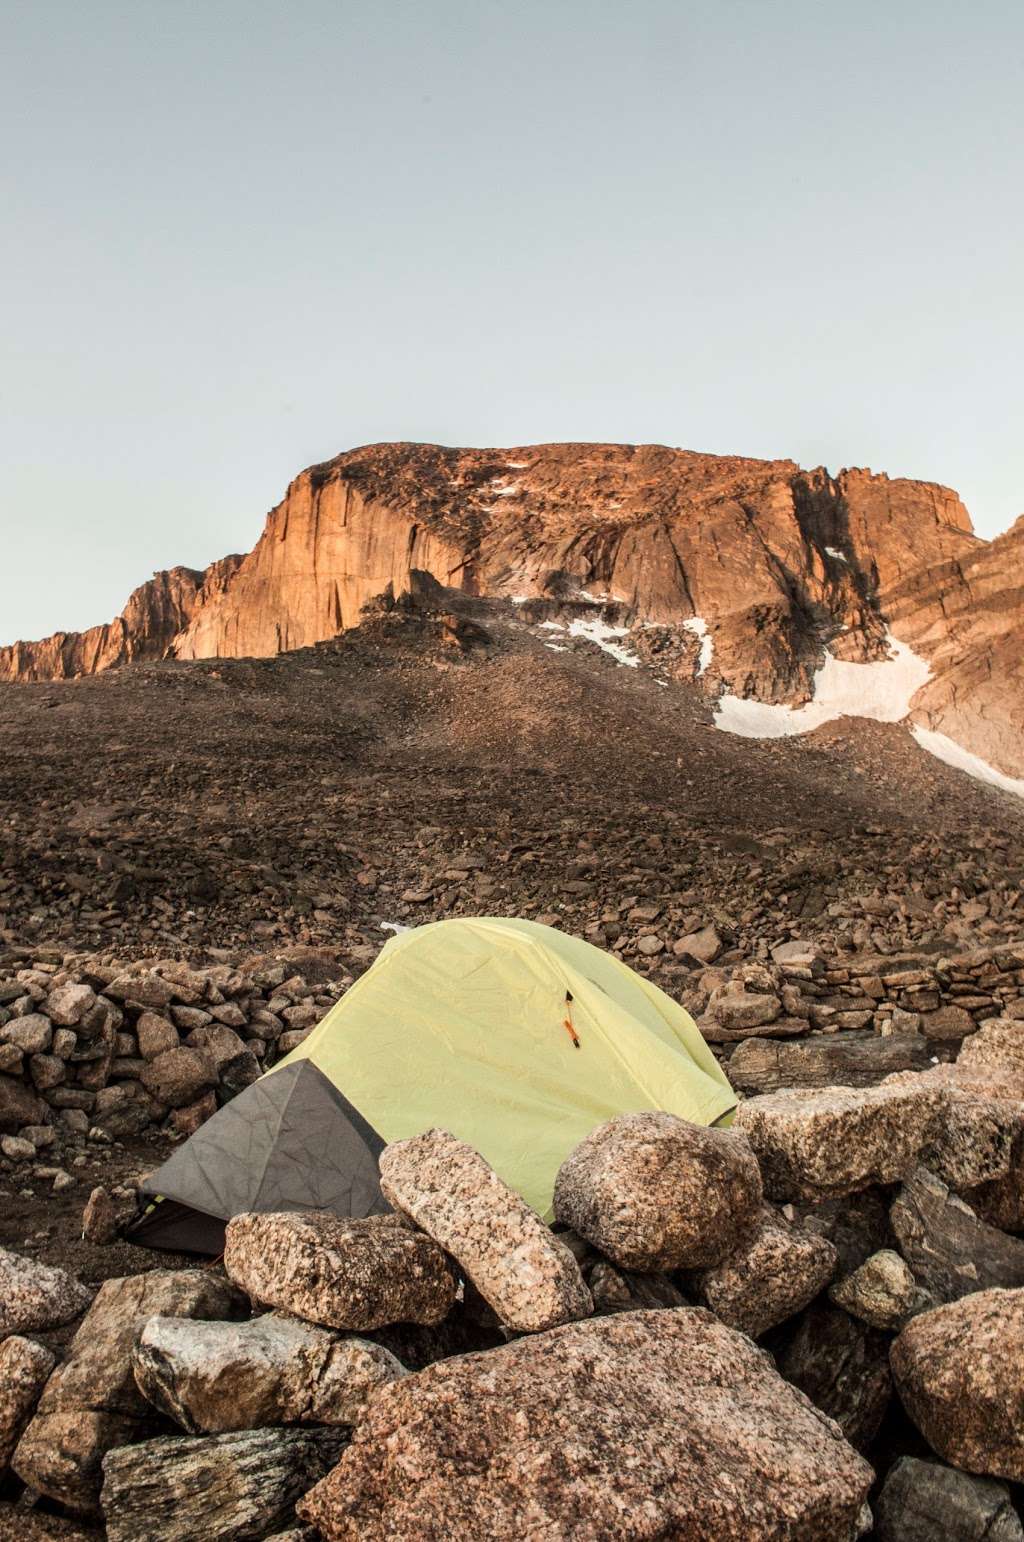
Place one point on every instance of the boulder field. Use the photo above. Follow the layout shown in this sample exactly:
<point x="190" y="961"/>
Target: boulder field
<point x="724" y="1334"/>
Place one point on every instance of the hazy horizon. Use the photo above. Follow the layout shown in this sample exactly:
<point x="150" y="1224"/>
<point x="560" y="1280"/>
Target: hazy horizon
<point x="247" y="237"/>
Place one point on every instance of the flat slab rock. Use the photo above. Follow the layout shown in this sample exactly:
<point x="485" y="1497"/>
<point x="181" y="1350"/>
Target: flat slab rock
<point x="960" y="1374"/>
<point x="853" y="1059"/>
<point x="951" y="1252"/>
<point x="654" y="1192"/>
<point x="525" y="1274"/>
<point x="354" y="1274"/>
<point x="772" y="1275"/>
<point x="645" y="1424"/>
<point x="222" y="1488"/>
<point x="211" y="1377"/>
<point x="35" y="1297"/>
<point x="815" y="1144"/>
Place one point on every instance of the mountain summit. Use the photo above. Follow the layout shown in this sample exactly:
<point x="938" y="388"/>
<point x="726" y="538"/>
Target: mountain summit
<point x="772" y="578"/>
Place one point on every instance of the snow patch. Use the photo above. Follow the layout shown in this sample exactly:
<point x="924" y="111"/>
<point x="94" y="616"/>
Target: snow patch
<point x="552" y="626"/>
<point x="881" y="691"/>
<point x="556" y="647"/>
<point x="394" y="926"/>
<point x="603" y="635"/>
<point x="699" y="627"/>
<point x="519" y="599"/>
<point x="516" y="465"/>
<point x="505" y="492"/>
<point x="592" y="599"/>
<point x="946" y="749"/>
<point x="838" y="555"/>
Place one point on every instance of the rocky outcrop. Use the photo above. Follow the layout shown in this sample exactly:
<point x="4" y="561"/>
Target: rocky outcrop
<point x="154" y="615"/>
<point x="962" y="613"/>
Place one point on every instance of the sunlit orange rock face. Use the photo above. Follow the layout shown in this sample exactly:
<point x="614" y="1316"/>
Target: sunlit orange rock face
<point x="154" y="615"/>
<point x="777" y="561"/>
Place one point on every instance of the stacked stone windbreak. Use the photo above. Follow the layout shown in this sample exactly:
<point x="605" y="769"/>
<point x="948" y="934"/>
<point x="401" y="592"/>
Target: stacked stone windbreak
<point x="92" y="1043"/>
<point x="809" y="1019"/>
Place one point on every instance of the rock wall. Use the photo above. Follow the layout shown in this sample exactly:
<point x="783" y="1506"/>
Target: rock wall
<point x="964" y="615"/>
<point x="88" y="1043"/>
<point x="154" y="615"/>
<point x="778" y="562"/>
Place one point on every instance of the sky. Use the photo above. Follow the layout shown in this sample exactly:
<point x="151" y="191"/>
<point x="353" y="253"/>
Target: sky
<point x="241" y="236"/>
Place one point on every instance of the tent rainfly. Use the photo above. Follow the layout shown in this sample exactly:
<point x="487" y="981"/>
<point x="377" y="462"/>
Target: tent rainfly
<point x="514" y="1036"/>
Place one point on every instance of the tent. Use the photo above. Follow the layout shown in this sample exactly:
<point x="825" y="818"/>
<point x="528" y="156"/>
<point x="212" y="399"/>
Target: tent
<point x="515" y="1036"/>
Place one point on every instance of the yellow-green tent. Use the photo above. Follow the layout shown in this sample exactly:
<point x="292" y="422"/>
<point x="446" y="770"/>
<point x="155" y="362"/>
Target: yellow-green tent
<point x="514" y="1036"/>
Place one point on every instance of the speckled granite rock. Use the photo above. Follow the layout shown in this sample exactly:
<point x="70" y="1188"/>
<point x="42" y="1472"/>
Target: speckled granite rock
<point x="522" y="1270"/>
<point x="647" y="1424"/>
<point x="772" y="1275"/>
<point x="813" y="1143"/>
<point x="655" y="1192"/>
<point x="358" y="1274"/>
<point x="92" y="1402"/>
<point x="24" y="1370"/>
<point x="998" y="1045"/>
<point x="35" y="1297"/>
<point x="216" y="1376"/>
<point x="960" y="1373"/>
<point x="221" y="1488"/>
<point x="926" y="1502"/>
<point x="881" y="1292"/>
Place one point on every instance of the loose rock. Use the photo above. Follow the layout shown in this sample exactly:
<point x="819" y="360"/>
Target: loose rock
<point x="223" y="1488"/>
<point x="34" y="1297"/>
<point x="772" y="1275"/>
<point x="814" y="1144"/>
<point x="211" y="1377"/>
<point x="91" y="1402"/>
<point x="923" y="1501"/>
<point x="523" y="1271"/>
<point x="654" y="1192"/>
<point x="960" y="1373"/>
<point x="355" y="1274"/>
<point x="24" y="1368"/>
<point x="881" y="1292"/>
<point x="951" y="1252"/>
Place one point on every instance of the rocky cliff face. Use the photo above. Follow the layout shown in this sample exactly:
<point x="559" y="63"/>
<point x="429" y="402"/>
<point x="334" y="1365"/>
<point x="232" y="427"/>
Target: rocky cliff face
<point x="155" y="614"/>
<point x="776" y="562"/>
<point x="964" y="615"/>
<point x="772" y="558"/>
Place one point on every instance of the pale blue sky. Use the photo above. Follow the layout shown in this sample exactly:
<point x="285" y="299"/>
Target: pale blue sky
<point x="241" y="235"/>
